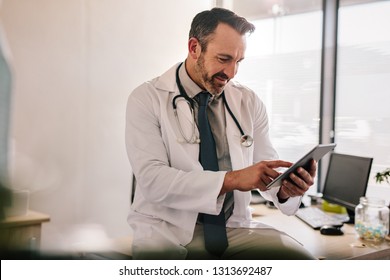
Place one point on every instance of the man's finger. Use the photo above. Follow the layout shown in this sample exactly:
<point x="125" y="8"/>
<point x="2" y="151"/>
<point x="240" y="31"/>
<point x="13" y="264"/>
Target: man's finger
<point x="278" y="163"/>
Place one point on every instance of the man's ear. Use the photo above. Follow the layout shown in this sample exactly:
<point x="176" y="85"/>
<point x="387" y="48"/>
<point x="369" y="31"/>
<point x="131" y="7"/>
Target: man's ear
<point x="194" y="48"/>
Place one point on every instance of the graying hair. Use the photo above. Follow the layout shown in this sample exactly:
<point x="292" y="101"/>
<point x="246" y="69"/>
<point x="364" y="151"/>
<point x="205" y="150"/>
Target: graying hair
<point x="206" y="22"/>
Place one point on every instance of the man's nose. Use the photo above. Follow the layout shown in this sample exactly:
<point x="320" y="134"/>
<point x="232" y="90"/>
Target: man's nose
<point x="231" y="70"/>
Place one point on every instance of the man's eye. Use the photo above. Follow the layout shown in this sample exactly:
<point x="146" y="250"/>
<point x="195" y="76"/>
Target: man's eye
<point x="223" y="60"/>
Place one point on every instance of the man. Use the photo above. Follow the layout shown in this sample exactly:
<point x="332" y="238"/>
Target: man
<point x="175" y="191"/>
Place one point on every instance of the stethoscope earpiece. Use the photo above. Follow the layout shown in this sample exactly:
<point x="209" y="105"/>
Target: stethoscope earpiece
<point x="182" y="141"/>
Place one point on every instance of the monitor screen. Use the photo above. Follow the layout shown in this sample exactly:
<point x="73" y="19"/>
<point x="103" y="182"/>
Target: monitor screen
<point x="346" y="180"/>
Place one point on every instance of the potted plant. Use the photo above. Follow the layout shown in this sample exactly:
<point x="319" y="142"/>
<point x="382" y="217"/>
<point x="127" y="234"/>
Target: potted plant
<point x="383" y="176"/>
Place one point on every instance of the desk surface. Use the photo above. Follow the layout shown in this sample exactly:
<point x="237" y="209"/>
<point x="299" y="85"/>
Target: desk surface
<point x="347" y="246"/>
<point x="30" y="218"/>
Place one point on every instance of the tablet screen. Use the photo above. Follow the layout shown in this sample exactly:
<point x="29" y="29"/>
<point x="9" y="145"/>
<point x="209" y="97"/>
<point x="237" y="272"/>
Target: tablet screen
<point x="316" y="153"/>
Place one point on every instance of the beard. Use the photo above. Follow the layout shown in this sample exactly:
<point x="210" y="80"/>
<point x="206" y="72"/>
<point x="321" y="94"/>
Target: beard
<point x="210" y="82"/>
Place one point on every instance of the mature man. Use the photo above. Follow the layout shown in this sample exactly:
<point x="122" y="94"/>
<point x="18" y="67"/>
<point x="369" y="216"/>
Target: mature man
<point x="198" y="143"/>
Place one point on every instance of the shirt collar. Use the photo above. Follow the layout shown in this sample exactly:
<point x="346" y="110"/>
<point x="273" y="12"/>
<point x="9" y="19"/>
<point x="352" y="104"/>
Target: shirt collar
<point x="191" y="88"/>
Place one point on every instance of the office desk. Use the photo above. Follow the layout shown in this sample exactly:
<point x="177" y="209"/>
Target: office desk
<point x="22" y="232"/>
<point x="347" y="246"/>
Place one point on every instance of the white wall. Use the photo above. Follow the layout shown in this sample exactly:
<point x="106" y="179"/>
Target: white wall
<point x="75" y="63"/>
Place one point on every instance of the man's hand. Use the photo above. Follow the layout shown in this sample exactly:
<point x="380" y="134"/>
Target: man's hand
<point x="298" y="183"/>
<point x="257" y="176"/>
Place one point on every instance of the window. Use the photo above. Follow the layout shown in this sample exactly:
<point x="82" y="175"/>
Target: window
<point x="362" y="123"/>
<point x="283" y="65"/>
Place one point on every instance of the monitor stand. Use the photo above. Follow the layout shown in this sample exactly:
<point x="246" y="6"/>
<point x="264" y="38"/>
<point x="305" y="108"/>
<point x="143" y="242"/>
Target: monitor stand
<point x="351" y="215"/>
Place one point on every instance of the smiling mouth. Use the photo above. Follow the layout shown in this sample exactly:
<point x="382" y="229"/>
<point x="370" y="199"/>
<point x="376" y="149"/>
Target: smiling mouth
<point x="221" y="80"/>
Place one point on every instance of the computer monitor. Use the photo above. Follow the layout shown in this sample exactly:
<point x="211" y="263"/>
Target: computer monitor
<point x="346" y="181"/>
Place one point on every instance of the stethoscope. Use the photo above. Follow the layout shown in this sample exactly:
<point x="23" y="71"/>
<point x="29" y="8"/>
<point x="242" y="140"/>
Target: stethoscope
<point x="245" y="139"/>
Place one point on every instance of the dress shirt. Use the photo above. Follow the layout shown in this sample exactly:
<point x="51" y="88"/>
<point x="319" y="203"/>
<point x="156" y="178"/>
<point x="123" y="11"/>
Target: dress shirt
<point x="216" y="115"/>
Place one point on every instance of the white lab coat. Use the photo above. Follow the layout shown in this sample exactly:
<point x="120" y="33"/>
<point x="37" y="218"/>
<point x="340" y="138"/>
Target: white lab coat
<point x="172" y="187"/>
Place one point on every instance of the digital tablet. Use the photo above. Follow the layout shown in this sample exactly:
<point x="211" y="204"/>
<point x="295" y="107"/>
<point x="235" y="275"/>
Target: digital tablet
<point x="316" y="153"/>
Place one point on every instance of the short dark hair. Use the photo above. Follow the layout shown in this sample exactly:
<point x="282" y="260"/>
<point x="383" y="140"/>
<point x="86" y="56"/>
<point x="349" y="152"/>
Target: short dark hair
<point x="206" y="22"/>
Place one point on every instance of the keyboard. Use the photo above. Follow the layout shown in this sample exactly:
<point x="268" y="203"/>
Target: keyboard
<point x="316" y="218"/>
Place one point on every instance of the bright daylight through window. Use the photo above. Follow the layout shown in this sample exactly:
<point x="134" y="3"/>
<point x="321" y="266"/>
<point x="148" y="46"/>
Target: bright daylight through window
<point x="283" y="66"/>
<point x="362" y="123"/>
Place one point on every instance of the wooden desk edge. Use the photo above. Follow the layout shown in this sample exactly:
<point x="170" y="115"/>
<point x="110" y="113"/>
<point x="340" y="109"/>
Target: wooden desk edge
<point x="30" y="218"/>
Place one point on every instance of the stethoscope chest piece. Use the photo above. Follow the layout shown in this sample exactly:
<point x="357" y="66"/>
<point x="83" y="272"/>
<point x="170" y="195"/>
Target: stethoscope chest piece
<point x="246" y="140"/>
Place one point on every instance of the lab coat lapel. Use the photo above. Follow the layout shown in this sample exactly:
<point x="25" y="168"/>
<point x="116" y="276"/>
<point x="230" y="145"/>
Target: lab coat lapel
<point x="167" y="84"/>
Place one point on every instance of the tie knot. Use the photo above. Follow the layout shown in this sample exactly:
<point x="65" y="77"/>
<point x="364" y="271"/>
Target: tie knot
<point x="204" y="97"/>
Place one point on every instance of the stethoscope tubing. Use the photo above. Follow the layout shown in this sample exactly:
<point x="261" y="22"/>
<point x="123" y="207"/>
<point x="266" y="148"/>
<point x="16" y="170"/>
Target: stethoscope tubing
<point x="246" y="140"/>
<point x="231" y="114"/>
